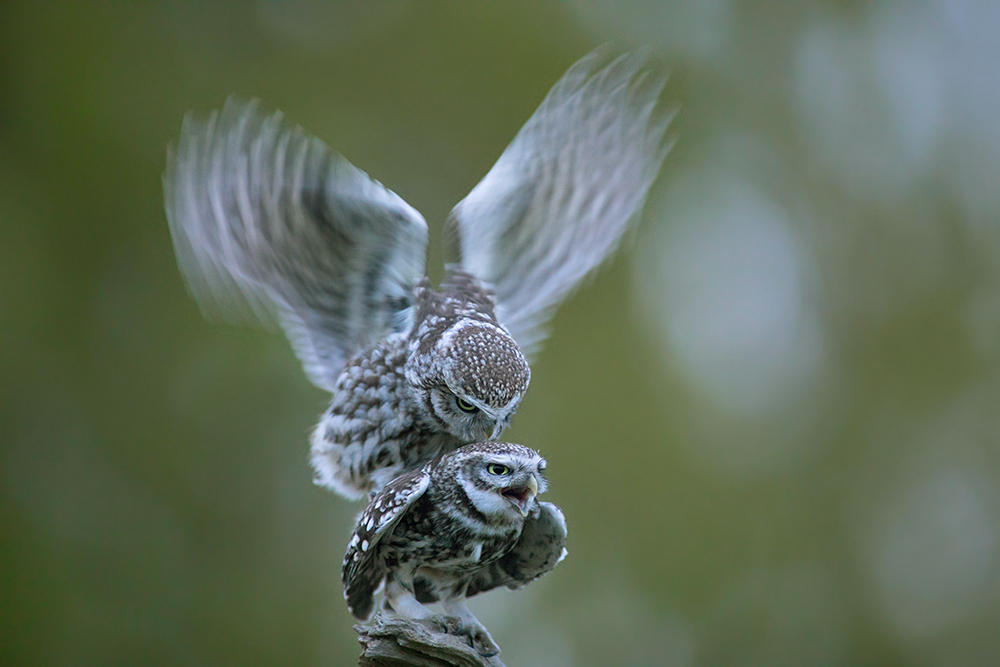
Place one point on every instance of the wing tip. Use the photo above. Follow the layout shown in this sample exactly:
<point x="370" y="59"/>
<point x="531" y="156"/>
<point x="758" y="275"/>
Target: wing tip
<point x="360" y="609"/>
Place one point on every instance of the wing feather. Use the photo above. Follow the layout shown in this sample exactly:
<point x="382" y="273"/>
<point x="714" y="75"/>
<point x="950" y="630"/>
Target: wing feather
<point x="364" y="570"/>
<point x="268" y="219"/>
<point x="540" y="548"/>
<point x="562" y="194"/>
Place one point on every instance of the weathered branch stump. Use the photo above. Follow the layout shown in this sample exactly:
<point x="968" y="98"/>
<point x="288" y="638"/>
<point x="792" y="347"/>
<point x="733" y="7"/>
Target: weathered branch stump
<point x="399" y="642"/>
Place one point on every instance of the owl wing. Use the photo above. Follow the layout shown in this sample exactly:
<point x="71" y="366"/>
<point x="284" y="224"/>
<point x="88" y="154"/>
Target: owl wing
<point x="540" y="548"/>
<point x="562" y="194"/>
<point x="267" y="218"/>
<point x="364" y="568"/>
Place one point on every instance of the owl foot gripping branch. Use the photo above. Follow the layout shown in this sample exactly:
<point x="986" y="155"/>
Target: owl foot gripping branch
<point x="267" y="219"/>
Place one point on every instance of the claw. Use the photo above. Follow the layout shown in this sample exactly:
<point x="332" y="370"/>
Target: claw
<point x="481" y="640"/>
<point x="448" y="625"/>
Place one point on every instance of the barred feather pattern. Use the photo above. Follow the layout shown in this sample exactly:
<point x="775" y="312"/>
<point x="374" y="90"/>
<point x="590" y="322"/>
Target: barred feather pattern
<point x="268" y="219"/>
<point x="561" y="196"/>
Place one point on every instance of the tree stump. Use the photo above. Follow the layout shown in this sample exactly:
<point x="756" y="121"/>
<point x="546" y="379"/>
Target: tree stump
<point x="400" y="642"/>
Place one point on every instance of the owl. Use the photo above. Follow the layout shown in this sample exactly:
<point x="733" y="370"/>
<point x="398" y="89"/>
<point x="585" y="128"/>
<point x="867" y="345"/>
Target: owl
<point x="267" y="220"/>
<point x="465" y="523"/>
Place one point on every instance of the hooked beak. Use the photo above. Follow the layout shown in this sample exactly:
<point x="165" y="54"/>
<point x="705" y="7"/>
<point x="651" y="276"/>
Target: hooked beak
<point x="497" y="430"/>
<point x="522" y="495"/>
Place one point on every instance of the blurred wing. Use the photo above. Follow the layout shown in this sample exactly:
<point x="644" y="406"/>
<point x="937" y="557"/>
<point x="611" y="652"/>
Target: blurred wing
<point x="541" y="547"/>
<point x="364" y="569"/>
<point x="562" y="194"/>
<point x="266" y="216"/>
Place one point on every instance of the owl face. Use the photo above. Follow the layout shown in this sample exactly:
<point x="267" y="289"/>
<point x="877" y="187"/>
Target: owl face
<point x="483" y="376"/>
<point x="501" y="479"/>
<point x="463" y="417"/>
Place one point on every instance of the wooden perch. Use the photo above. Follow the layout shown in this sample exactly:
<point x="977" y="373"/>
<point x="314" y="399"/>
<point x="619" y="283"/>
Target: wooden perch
<point x="400" y="642"/>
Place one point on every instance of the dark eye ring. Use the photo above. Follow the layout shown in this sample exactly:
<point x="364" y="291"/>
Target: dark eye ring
<point x="497" y="469"/>
<point x="464" y="405"/>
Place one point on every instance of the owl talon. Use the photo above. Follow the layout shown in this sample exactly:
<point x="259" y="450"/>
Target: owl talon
<point x="481" y="640"/>
<point x="448" y="625"/>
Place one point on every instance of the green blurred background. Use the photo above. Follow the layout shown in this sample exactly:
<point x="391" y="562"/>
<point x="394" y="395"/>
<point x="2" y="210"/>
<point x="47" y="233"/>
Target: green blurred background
<point x="772" y="421"/>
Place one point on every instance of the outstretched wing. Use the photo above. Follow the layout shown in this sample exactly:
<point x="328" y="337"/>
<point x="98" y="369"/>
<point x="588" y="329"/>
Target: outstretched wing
<point x="265" y="216"/>
<point x="562" y="194"/>
<point x="541" y="547"/>
<point x="364" y="569"/>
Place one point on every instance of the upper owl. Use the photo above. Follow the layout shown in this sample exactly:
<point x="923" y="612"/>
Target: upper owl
<point x="265" y="216"/>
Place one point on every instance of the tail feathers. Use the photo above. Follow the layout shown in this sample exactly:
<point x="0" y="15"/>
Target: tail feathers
<point x="360" y="597"/>
<point x="361" y="583"/>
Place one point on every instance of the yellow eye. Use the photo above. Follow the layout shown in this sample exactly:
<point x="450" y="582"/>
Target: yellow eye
<point x="464" y="405"/>
<point x="497" y="469"/>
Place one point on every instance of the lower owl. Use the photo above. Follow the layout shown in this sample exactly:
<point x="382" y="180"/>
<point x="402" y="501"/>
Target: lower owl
<point x="465" y="523"/>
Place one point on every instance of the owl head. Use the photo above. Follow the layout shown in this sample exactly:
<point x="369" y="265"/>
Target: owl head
<point x="501" y="479"/>
<point x="467" y="372"/>
<point x="483" y="374"/>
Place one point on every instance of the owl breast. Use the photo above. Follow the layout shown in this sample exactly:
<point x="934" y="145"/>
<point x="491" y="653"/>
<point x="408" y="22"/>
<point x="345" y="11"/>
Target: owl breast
<point x="445" y="542"/>
<point x="371" y="433"/>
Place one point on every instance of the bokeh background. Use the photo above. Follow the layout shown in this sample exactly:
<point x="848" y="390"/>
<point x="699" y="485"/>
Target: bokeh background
<point x="773" y="420"/>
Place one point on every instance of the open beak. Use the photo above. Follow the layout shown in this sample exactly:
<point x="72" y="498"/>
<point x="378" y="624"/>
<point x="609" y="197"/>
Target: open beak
<point x="522" y="495"/>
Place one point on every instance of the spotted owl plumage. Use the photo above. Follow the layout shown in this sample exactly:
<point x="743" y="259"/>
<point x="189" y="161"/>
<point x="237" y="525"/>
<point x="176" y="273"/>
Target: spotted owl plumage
<point x="465" y="523"/>
<point x="268" y="220"/>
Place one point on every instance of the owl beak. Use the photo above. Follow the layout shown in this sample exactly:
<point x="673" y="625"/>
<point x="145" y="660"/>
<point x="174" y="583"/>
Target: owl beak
<point x="522" y="495"/>
<point x="497" y="430"/>
<point x="533" y="485"/>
